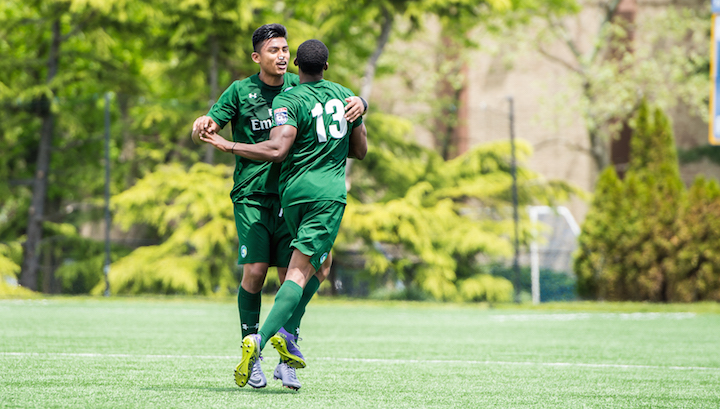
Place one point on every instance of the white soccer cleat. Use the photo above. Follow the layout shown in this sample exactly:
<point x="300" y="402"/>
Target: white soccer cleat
<point x="286" y="374"/>
<point x="257" y="377"/>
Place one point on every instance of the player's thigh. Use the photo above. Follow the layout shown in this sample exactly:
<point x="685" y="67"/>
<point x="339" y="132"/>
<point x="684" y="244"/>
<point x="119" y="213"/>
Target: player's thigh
<point x="280" y="250"/>
<point x="254" y="226"/>
<point x="315" y="226"/>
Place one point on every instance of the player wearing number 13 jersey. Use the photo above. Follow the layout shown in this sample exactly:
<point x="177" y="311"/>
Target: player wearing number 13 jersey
<point x="312" y="176"/>
<point x="314" y="169"/>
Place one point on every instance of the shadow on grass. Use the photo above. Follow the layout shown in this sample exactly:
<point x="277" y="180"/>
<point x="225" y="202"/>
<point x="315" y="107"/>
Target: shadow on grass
<point x="263" y="391"/>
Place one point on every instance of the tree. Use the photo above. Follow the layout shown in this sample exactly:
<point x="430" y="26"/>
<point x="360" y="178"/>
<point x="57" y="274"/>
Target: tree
<point x="207" y="36"/>
<point x="695" y="275"/>
<point x="629" y="241"/>
<point x="662" y="58"/>
<point x="371" y="24"/>
<point x="75" y="60"/>
<point x="192" y="218"/>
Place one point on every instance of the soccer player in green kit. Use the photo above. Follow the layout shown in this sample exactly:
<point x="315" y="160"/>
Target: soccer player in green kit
<point x="262" y="232"/>
<point x="311" y="138"/>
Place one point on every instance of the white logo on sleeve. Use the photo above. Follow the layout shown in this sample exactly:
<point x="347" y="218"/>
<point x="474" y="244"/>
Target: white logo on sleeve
<point x="243" y="251"/>
<point x="323" y="258"/>
<point x="281" y="116"/>
<point x="252" y="95"/>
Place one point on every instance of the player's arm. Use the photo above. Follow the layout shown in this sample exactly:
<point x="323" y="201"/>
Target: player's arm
<point x="355" y="108"/>
<point x="358" y="142"/>
<point x="274" y="149"/>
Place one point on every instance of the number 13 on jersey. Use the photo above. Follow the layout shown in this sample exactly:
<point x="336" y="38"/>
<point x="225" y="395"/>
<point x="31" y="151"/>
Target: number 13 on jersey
<point x="338" y="126"/>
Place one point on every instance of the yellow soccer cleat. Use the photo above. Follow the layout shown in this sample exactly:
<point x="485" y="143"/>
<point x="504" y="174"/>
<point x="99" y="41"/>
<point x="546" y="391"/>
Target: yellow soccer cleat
<point x="287" y="348"/>
<point x="250" y="354"/>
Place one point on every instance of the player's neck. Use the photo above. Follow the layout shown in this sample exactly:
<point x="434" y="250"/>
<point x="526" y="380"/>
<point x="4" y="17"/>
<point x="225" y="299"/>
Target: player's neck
<point x="310" y="78"/>
<point x="271" y="80"/>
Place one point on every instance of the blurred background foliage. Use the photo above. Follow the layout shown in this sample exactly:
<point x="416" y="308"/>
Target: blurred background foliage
<point x="646" y="238"/>
<point x="422" y="222"/>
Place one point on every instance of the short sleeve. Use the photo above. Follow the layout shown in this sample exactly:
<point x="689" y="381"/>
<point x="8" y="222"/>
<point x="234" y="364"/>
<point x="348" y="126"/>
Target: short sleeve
<point x="227" y="106"/>
<point x="284" y="112"/>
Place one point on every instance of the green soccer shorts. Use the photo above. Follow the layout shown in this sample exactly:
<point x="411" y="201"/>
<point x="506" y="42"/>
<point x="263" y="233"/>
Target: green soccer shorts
<point x="314" y="227"/>
<point x="263" y="234"/>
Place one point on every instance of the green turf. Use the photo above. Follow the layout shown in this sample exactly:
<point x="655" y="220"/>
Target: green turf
<point x="177" y="353"/>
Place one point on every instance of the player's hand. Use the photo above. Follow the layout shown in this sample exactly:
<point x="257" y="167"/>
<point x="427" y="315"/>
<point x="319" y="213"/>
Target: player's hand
<point x="202" y="125"/>
<point x="354" y="108"/>
<point x="216" y="140"/>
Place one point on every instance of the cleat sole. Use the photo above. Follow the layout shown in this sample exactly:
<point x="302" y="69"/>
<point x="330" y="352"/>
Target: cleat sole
<point x="251" y="352"/>
<point x="280" y="344"/>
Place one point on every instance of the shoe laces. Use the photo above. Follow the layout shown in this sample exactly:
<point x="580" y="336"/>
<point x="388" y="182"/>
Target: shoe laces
<point x="290" y="372"/>
<point x="256" y="369"/>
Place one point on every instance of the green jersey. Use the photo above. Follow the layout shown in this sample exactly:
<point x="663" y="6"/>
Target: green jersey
<point x="314" y="169"/>
<point x="247" y="104"/>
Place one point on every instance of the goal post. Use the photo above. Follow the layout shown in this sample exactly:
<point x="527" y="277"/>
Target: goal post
<point x="534" y="213"/>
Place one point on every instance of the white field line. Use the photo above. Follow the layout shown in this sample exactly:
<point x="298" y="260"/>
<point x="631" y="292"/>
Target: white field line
<point x="364" y="360"/>
<point x="634" y="316"/>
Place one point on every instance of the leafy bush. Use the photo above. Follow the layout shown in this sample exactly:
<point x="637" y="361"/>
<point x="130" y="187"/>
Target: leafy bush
<point x="423" y="221"/>
<point x="10" y="256"/>
<point x="191" y="212"/>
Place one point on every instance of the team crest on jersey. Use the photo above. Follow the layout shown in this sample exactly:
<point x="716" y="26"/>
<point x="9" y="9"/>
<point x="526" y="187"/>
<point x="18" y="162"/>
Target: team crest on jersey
<point x="281" y="116"/>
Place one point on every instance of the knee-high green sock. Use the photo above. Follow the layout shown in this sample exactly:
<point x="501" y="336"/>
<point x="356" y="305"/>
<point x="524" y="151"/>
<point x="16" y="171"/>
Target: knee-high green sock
<point x="286" y="299"/>
<point x="249" y="308"/>
<point x="293" y="324"/>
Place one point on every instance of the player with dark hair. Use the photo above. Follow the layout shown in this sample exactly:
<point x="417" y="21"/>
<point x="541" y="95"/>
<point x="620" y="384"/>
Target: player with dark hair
<point x="264" y="239"/>
<point x="311" y="138"/>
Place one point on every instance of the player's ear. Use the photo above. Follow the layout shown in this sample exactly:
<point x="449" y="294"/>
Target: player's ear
<point x="255" y="57"/>
<point x="295" y="61"/>
<point x="326" y="66"/>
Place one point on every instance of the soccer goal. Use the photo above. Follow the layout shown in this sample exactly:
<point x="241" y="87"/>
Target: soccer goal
<point x="552" y="247"/>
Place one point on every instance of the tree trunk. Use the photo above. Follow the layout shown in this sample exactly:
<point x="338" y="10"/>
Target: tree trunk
<point x="128" y="142"/>
<point x="369" y="76"/>
<point x="213" y="81"/>
<point x="370" y="67"/>
<point x="620" y="146"/>
<point x="599" y="150"/>
<point x="31" y="259"/>
<point x="450" y="138"/>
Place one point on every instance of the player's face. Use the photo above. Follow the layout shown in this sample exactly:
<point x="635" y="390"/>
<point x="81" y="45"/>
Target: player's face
<point x="273" y="56"/>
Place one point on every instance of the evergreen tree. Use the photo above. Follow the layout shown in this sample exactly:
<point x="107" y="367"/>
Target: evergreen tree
<point x="696" y="272"/>
<point x="596" y="272"/>
<point x="629" y="243"/>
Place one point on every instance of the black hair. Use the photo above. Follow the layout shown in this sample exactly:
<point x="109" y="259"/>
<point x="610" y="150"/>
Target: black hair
<point x="312" y="56"/>
<point x="266" y="32"/>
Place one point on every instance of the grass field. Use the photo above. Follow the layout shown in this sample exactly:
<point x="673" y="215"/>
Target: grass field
<point x="178" y="353"/>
